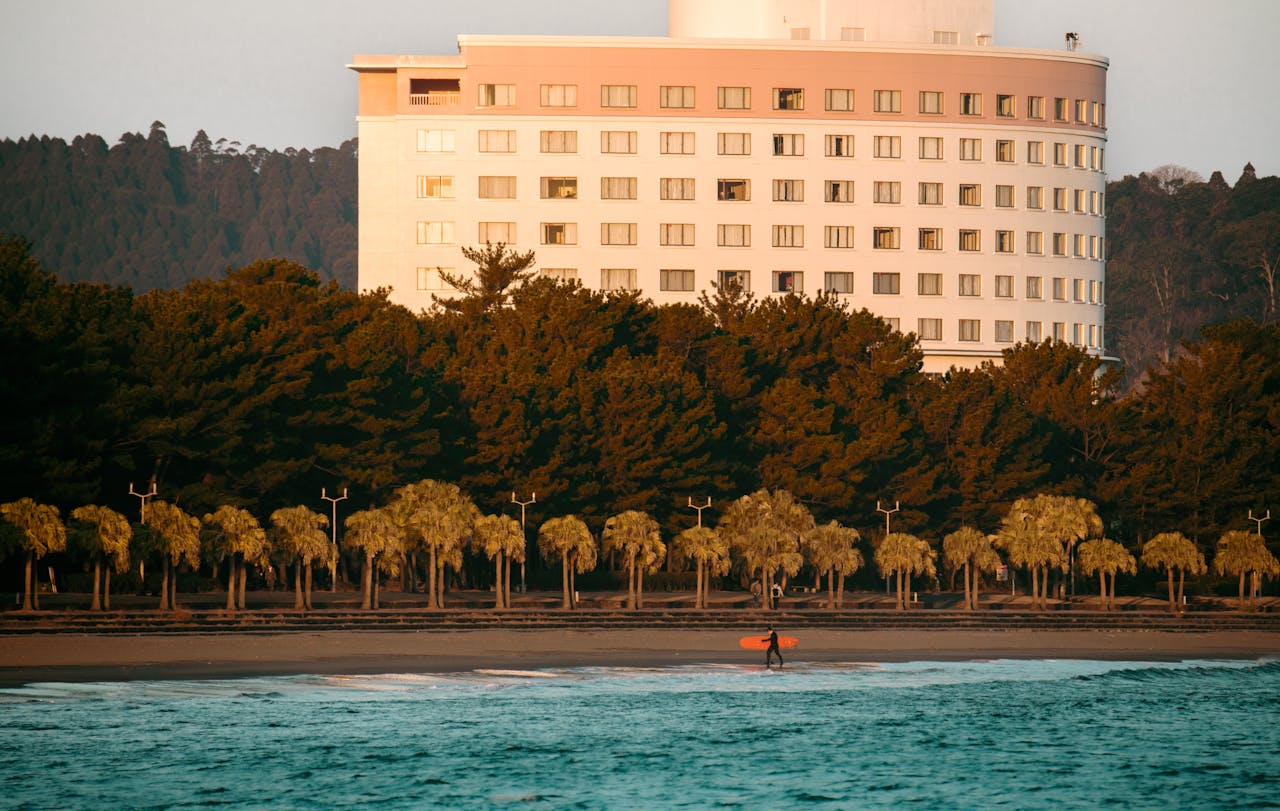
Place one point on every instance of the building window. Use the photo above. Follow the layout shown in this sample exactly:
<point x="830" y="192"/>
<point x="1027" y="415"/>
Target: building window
<point x="1096" y="118"/>
<point x="946" y="37"/>
<point x="676" y="234"/>
<point x="888" y="146"/>
<point x="617" y="278"/>
<point x="887" y="191"/>
<point x="676" y="188"/>
<point x="1059" y="244"/>
<point x="837" y="282"/>
<point x="1033" y="332"/>
<point x="675" y="97"/>
<point x="799" y="33"/>
<point x="618" y="233"/>
<point x="839" y="146"/>
<point x="1081" y="200"/>
<point x="559" y="233"/>
<point x="838" y="236"/>
<point x="970" y="194"/>
<point x="1081" y="156"/>
<point x="435" y="186"/>
<point x="617" y="95"/>
<point x="1079" y="243"/>
<point x="1059" y="154"/>
<point x="1004" y="196"/>
<point x="1059" y="331"/>
<point x="1035" y="243"/>
<point x="680" y="281"/>
<point x="931" y="102"/>
<point x="497" y="141"/>
<point x="788" y="98"/>
<point x="1006" y="106"/>
<point x="929" y="329"/>
<point x="433" y="278"/>
<point x="618" y="142"/>
<point x="1004" y="151"/>
<point x="970" y="149"/>
<point x="930" y="148"/>
<point x="887" y="101"/>
<point x="970" y="284"/>
<point x="1077" y="334"/>
<point x="435" y="140"/>
<point x="931" y="240"/>
<point x="1035" y="152"/>
<point x="788" y="191"/>
<point x="1081" y="111"/>
<point x="838" y="100"/>
<point x="1004" y="286"/>
<point x="1059" y="109"/>
<point x="733" y="236"/>
<point x="1095" y="202"/>
<point x="497" y="232"/>
<point x="497" y="95"/>
<point x="1059" y="199"/>
<point x="788" y="281"/>
<point x="1093" y="334"/>
<point x="733" y="189"/>
<point x="435" y="233"/>
<point x="929" y="284"/>
<point x="1004" y="241"/>
<point x="559" y="188"/>
<point x="970" y="104"/>
<point x="733" y="98"/>
<point x="1095" y="247"/>
<point x="497" y="187"/>
<point x="885" y="238"/>
<point x="885" y="284"/>
<point x="970" y="329"/>
<point x="559" y="274"/>
<point x="1035" y="198"/>
<point x="675" y="143"/>
<point x="730" y="279"/>
<point x="733" y="143"/>
<point x="1077" y="290"/>
<point x="1035" y="107"/>
<point x="970" y="239"/>
<point x="838" y="191"/>
<point x="1004" y="332"/>
<point x="558" y="141"/>
<point x="559" y="95"/>
<point x="788" y="144"/>
<point x="788" y="236"/>
<point x="618" y="188"/>
<point x="851" y="34"/>
<point x="1035" y="288"/>
<point x="1059" y="288"/>
<point x="930" y="194"/>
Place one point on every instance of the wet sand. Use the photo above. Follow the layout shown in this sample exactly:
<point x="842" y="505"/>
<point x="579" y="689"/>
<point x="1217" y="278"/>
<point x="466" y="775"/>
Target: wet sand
<point x="110" y="657"/>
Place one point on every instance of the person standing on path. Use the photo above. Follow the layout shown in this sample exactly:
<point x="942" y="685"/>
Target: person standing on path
<point x="772" y="639"/>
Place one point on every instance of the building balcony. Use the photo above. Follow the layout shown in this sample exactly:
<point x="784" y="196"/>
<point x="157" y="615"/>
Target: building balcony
<point x="438" y="98"/>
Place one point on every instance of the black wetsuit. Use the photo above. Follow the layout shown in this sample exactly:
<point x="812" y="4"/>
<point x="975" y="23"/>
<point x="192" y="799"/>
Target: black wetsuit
<point x="773" y="649"/>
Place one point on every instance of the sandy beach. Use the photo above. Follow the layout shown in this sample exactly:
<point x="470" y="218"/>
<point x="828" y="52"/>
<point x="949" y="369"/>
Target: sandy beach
<point x="107" y="657"/>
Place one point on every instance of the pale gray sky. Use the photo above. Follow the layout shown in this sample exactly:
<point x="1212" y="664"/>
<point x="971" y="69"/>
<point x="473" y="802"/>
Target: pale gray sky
<point x="1191" y="82"/>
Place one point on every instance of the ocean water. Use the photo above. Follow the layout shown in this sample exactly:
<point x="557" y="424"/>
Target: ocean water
<point x="997" y="734"/>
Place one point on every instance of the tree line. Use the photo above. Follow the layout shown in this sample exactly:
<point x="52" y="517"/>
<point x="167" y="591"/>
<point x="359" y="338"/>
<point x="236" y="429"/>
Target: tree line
<point x="256" y="390"/>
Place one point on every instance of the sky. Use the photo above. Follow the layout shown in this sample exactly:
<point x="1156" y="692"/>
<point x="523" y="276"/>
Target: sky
<point x="1191" y="82"/>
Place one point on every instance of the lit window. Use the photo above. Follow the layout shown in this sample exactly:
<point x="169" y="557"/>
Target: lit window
<point x="679" y="97"/>
<point x="675" y="143"/>
<point x="497" y="141"/>
<point x="788" y="281"/>
<point x="970" y="104"/>
<point x="888" y="191"/>
<point x="618" y="188"/>
<point x="676" y="188"/>
<point x="497" y="95"/>
<point x="888" y="146"/>
<point x="559" y="188"/>
<point x="435" y="233"/>
<point x="930" y="194"/>
<point x="733" y="98"/>
<point x="733" y="236"/>
<point x="970" y="194"/>
<point x="970" y="149"/>
<point x="931" y="102"/>
<point x="618" y="142"/>
<point x="930" y="148"/>
<point x="788" y="191"/>
<point x="617" y="95"/>
<point x="554" y="141"/>
<point x="885" y="284"/>
<point x="618" y="233"/>
<point x="559" y="95"/>
<point x="839" y="146"/>
<point x="617" y="278"/>
<point x="497" y="187"/>
<point x="838" y="100"/>
<point x="675" y="280"/>
<point x="788" y="98"/>
<point x="838" y="236"/>
<point x="888" y="101"/>
<point x="1006" y="106"/>
<point x="931" y="240"/>
<point x="733" y="143"/>
<point x="435" y="186"/>
<point x="788" y="236"/>
<point x="1004" y="241"/>
<point x="435" y="140"/>
<point x="837" y="282"/>
<point x="788" y="144"/>
<point x="497" y="233"/>
<point x="1035" y="243"/>
<point x="929" y="284"/>
<point x="731" y="279"/>
<point x="676" y="233"/>
<point x="733" y="189"/>
<point x="1004" y="332"/>
<point x="929" y="329"/>
<point x="1035" y="152"/>
<point x="970" y="239"/>
<point x="838" y="191"/>
<point x="1004" y="151"/>
<point x="559" y="233"/>
<point x="1035" y="288"/>
<point x="1004" y="286"/>
<point x="970" y="329"/>
<point x="885" y="238"/>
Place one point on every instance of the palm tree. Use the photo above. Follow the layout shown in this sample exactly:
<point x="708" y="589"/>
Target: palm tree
<point x="499" y="538"/>
<point x="241" y="540"/>
<point x="765" y="529"/>
<point x="438" y="518"/>
<point x="905" y="555"/>
<point x="1106" y="557"/>
<point x="300" y="534"/>
<point x="710" y="551"/>
<point x="569" y="539"/>
<point x="1173" y="550"/>
<point x="374" y="533"/>
<point x="42" y="532"/>
<point x="1240" y="553"/>
<point x="177" y="536"/>
<point x="972" y="549"/>
<point x="1039" y="533"/>
<point x="832" y="551"/>
<point x="107" y="537"/>
<point x="635" y="536"/>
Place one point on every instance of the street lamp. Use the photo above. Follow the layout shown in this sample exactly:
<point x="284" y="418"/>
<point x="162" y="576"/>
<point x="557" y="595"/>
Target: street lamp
<point x="333" y="526"/>
<point x="142" y="516"/>
<point x="533" y="499"/>
<point x="887" y="512"/>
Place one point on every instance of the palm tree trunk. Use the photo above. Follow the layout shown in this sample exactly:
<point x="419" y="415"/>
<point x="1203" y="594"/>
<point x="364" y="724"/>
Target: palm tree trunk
<point x="164" y="585"/>
<point x="840" y="591"/>
<point x="573" y="585"/>
<point x="1172" y="606"/>
<point x="231" y="582"/>
<point x="306" y="600"/>
<point x="506" y="579"/>
<point x="244" y="577"/>
<point x="497" y="582"/>
<point x="1242" y="591"/>
<point x="96" y="604"/>
<point x="431" y="578"/>
<point x="1102" y="580"/>
<point x="298" y="603"/>
<point x="173" y="587"/>
<point x="377" y="588"/>
<point x="968" y="599"/>
<point x="564" y="601"/>
<point x="27" y="587"/>
<point x="898" y="582"/>
<point x="106" y="588"/>
<point x="366" y="603"/>
<point x="976" y="575"/>
<point x="831" y="587"/>
<point x="640" y="587"/>
<point x="1182" y="575"/>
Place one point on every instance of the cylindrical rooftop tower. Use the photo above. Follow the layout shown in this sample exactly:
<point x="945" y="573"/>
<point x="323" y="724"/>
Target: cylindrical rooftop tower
<point x="944" y="22"/>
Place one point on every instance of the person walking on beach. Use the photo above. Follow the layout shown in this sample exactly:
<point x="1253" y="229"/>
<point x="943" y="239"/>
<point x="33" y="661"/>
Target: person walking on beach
<point x="772" y="639"/>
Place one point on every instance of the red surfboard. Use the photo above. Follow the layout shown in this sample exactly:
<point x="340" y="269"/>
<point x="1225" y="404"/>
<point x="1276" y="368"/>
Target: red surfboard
<point x="762" y="642"/>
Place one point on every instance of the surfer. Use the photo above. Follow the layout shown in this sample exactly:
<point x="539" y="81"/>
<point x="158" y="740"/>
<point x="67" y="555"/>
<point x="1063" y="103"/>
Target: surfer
<point x="772" y="639"/>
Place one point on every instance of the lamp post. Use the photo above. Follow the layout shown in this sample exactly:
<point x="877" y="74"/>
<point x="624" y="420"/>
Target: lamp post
<point x="142" y="516"/>
<point x="699" y="508"/>
<point x="333" y="527"/>
<point x="533" y="499"/>
<point x="887" y="512"/>
<point x="1256" y="585"/>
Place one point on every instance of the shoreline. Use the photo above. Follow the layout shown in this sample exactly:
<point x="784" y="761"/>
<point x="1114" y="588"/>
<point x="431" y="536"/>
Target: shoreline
<point x="70" y="657"/>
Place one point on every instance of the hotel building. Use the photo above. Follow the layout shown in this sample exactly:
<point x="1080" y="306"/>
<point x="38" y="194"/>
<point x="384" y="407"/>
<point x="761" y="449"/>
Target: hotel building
<point x="885" y="151"/>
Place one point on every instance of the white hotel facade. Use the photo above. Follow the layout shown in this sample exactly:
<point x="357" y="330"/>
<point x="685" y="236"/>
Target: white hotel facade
<point x="882" y="150"/>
